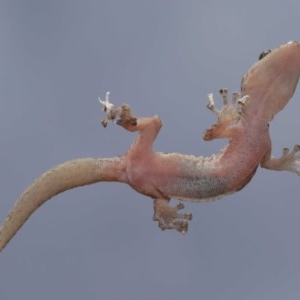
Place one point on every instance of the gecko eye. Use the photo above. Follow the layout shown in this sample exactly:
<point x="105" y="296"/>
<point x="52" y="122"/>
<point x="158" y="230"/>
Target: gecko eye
<point x="263" y="54"/>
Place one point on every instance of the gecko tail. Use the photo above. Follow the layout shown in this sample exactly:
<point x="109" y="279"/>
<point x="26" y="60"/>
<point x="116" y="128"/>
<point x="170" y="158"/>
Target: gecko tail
<point x="68" y="175"/>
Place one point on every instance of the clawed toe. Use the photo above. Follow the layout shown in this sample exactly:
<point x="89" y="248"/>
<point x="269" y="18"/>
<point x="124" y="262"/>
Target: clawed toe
<point x="120" y="115"/>
<point x="228" y="116"/>
<point x="288" y="161"/>
<point x="169" y="218"/>
<point x="126" y="118"/>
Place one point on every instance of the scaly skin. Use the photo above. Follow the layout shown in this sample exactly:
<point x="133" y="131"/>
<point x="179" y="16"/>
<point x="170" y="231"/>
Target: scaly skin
<point x="266" y="88"/>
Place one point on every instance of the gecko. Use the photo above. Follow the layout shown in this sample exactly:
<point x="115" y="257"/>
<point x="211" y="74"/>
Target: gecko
<point x="265" y="90"/>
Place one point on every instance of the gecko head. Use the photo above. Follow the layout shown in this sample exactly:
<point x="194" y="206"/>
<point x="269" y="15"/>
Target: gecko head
<point x="273" y="79"/>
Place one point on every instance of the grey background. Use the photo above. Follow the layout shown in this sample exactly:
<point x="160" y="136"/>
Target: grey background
<point x="161" y="57"/>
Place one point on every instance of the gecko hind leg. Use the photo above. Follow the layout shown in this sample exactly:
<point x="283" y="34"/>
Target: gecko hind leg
<point x="120" y="115"/>
<point x="288" y="161"/>
<point x="168" y="217"/>
<point x="148" y="127"/>
<point x="123" y="117"/>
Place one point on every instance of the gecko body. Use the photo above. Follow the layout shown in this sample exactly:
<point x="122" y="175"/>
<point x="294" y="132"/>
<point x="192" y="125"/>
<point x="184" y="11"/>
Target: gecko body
<point x="265" y="89"/>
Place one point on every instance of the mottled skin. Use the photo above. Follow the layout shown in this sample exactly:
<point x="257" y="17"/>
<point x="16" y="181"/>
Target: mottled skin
<point x="266" y="88"/>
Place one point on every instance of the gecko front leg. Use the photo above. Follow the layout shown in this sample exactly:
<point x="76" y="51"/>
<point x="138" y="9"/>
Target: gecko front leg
<point x="228" y="117"/>
<point x="288" y="161"/>
<point x="139" y="158"/>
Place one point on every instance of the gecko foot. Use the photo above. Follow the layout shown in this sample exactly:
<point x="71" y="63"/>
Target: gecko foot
<point x="169" y="218"/>
<point x="120" y="115"/>
<point x="228" y="116"/>
<point x="288" y="161"/>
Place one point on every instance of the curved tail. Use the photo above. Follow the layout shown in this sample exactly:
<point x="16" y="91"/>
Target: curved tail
<point x="65" y="176"/>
